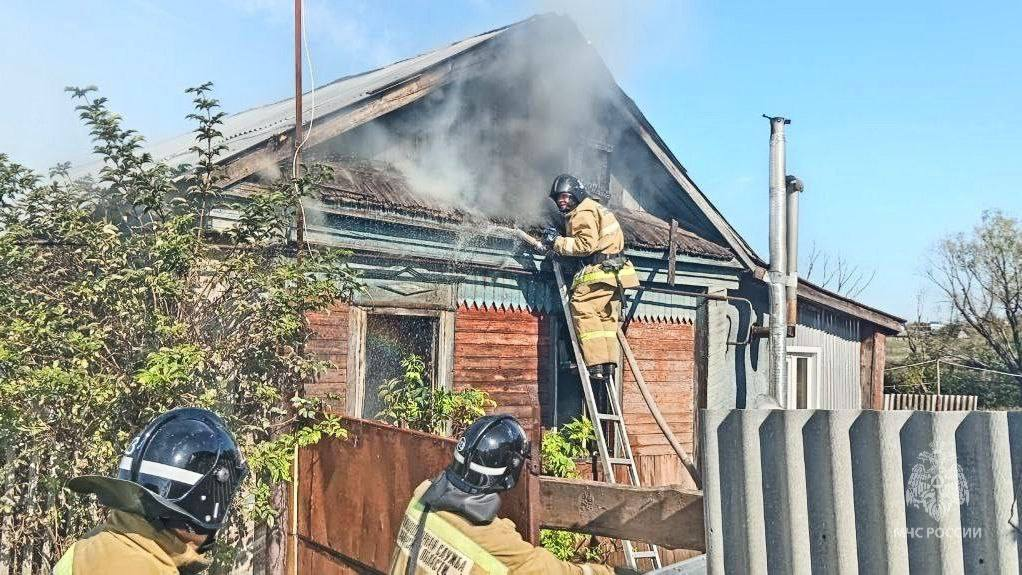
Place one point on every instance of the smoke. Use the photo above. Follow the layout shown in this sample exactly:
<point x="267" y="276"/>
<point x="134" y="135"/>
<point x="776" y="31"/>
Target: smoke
<point x="534" y="106"/>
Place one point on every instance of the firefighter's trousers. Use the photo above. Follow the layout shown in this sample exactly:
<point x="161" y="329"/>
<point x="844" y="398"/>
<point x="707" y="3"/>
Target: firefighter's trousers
<point x="595" y="309"/>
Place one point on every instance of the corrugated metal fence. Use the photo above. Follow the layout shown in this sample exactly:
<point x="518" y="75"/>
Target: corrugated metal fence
<point x="862" y="491"/>
<point x="930" y="402"/>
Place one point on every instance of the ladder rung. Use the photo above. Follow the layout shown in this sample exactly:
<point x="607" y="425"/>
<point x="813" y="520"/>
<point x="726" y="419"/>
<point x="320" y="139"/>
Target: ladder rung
<point x="644" y="554"/>
<point x="608" y="417"/>
<point x="620" y="461"/>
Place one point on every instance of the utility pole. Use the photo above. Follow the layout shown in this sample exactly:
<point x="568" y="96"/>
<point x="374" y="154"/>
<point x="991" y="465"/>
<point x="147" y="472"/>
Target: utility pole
<point x="297" y="162"/>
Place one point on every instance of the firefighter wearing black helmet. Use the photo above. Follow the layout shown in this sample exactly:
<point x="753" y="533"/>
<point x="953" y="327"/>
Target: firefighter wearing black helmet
<point x="173" y="492"/>
<point x="451" y="525"/>
<point x="595" y="237"/>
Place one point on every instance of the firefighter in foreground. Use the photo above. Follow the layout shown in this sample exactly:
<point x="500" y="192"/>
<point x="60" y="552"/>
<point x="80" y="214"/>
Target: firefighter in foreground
<point x="451" y="525"/>
<point x="172" y="494"/>
<point x="594" y="236"/>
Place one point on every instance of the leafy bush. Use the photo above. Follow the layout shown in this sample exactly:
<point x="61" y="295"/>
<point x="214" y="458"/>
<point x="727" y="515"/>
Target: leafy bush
<point x="119" y="302"/>
<point x="561" y="447"/>
<point x="413" y="402"/>
<point x="558" y="452"/>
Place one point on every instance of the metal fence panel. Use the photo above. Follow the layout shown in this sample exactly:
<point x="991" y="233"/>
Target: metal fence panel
<point x="352" y="495"/>
<point x="853" y="491"/>
<point x="930" y="402"/>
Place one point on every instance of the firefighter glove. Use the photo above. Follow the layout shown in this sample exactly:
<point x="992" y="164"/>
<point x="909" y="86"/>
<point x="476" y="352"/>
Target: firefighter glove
<point x="550" y="234"/>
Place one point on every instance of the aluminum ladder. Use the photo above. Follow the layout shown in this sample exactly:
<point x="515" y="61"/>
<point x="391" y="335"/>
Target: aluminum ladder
<point x="615" y="420"/>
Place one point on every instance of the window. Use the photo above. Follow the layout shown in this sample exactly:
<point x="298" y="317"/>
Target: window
<point x="381" y="338"/>
<point x="803" y="377"/>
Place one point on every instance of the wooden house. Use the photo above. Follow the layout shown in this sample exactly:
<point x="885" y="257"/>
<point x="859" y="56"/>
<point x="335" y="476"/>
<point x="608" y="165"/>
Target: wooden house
<point x="431" y="153"/>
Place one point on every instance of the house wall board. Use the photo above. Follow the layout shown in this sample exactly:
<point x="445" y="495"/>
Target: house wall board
<point x="329" y="342"/>
<point x="505" y="352"/>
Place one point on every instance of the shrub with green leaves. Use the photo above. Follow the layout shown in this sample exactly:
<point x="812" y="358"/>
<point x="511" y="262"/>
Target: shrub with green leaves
<point x="558" y="452"/>
<point x="120" y="301"/>
<point x="414" y="402"/>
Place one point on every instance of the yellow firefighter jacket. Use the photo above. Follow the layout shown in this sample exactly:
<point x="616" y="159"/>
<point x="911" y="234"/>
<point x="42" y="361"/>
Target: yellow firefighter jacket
<point x="593" y="229"/>
<point x="451" y="545"/>
<point x="129" y="544"/>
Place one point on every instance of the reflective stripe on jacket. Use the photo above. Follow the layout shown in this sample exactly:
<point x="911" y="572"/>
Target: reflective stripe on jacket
<point x="595" y="273"/>
<point x="451" y="545"/>
<point x="66" y="564"/>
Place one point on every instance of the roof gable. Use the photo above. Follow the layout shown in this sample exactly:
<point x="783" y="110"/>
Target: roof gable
<point x="262" y="136"/>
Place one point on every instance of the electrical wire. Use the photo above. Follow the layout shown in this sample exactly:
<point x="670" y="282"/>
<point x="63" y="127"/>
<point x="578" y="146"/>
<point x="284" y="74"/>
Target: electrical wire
<point x="312" y="118"/>
<point x="929" y="361"/>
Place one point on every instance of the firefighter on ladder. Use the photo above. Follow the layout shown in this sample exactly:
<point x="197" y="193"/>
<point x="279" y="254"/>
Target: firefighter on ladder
<point x="172" y="493"/>
<point x="594" y="236"/>
<point x="451" y="524"/>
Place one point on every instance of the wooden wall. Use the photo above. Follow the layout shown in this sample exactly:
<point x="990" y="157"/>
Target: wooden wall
<point x="330" y="342"/>
<point x="504" y="352"/>
<point x="507" y="354"/>
<point x="666" y="355"/>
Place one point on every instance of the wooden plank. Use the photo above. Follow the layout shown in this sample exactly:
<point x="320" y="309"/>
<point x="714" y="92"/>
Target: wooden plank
<point x="355" y="365"/>
<point x="498" y="341"/>
<point x="879" y="361"/>
<point x="672" y="252"/>
<point x="816" y="295"/>
<point x="277" y="149"/>
<point x="666" y="515"/>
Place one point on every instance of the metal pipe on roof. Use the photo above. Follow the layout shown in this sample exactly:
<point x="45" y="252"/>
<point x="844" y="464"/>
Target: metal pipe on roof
<point x="794" y="188"/>
<point x="777" y="275"/>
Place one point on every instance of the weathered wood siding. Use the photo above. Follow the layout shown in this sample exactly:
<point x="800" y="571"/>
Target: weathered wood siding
<point x="505" y="352"/>
<point x="666" y="356"/>
<point x="330" y="342"/>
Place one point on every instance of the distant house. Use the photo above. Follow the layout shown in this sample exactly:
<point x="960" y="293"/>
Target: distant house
<point x="429" y="151"/>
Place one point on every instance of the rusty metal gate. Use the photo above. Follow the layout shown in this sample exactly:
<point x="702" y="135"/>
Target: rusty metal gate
<point x="352" y="495"/>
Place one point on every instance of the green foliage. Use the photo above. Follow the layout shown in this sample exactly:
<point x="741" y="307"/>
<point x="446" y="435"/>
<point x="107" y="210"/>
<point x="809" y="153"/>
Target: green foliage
<point x="413" y="402"/>
<point x="561" y="447"/>
<point x="558" y="452"/>
<point x="120" y="302"/>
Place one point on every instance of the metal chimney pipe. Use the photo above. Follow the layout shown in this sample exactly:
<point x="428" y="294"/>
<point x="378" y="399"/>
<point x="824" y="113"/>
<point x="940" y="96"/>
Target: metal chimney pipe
<point x="794" y="188"/>
<point x="777" y="276"/>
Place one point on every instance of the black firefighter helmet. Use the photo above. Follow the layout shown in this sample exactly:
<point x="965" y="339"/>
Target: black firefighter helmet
<point x="568" y="184"/>
<point x="490" y="456"/>
<point x="184" y="468"/>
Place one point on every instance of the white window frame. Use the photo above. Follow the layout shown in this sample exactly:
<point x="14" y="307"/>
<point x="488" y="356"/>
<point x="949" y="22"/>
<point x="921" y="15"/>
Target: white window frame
<point x="812" y="386"/>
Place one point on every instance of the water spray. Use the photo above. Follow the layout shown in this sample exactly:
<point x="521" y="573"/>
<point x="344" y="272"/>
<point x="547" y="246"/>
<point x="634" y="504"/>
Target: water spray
<point x="523" y="236"/>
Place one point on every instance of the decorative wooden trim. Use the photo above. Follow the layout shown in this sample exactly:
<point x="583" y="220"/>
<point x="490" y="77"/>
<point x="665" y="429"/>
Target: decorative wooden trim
<point x="672" y="250"/>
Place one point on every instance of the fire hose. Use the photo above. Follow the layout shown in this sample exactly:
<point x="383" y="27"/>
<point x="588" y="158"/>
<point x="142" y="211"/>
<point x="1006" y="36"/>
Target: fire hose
<point x="640" y="382"/>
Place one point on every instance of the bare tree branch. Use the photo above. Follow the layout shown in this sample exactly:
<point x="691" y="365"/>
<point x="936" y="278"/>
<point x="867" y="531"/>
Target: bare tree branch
<point x="836" y="273"/>
<point x="981" y="275"/>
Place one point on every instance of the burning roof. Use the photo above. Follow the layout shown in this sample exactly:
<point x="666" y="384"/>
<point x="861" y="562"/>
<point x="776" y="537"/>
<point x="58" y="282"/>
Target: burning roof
<point x="374" y="188"/>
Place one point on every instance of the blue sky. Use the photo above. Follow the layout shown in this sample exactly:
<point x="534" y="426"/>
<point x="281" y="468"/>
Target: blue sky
<point x="907" y="116"/>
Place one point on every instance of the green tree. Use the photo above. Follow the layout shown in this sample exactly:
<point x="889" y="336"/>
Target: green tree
<point x="121" y="300"/>
<point x="979" y="275"/>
